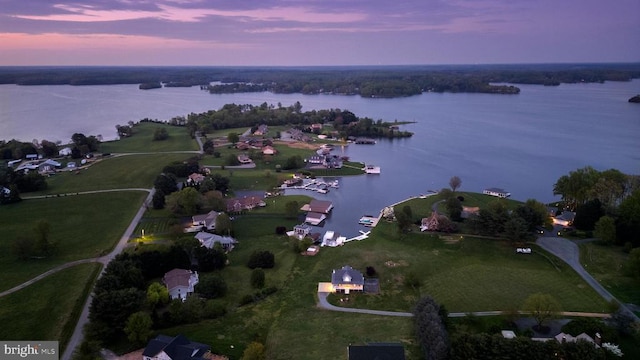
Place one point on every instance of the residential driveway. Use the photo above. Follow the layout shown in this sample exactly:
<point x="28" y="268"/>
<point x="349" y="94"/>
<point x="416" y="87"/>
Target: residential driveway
<point x="323" y="303"/>
<point x="569" y="252"/>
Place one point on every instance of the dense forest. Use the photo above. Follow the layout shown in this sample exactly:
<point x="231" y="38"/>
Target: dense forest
<point x="366" y="81"/>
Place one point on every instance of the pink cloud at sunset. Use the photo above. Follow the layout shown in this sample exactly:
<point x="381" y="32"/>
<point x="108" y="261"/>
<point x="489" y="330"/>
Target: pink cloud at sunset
<point x="296" y="32"/>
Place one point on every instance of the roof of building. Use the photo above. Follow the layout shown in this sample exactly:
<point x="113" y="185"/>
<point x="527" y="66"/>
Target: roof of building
<point x="347" y="275"/>
<point x="321" y="206"/>
<point x="376" y="351"/>
<point x="177" y="348"/>
<point x="177" y="277"/>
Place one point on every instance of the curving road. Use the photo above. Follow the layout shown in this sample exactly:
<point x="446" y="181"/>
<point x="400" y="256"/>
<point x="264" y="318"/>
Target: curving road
<point x="569" y="252"/>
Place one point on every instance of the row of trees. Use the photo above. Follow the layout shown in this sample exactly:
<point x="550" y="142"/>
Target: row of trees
<point x="607" y="202"/>
<point x="234" y="116"/>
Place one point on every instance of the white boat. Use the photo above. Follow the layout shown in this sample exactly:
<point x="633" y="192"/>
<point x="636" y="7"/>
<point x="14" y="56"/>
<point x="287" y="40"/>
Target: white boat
<point x="371" y="169"/>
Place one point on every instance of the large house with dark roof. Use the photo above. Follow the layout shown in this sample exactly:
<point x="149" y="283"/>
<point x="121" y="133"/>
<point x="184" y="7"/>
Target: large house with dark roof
<point x="347" y="279"/>
<point x="174" y="348"/>
<point x="376" y="351"/>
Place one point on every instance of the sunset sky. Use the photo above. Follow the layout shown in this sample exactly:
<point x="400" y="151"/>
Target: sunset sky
<point x="317" y="32"/>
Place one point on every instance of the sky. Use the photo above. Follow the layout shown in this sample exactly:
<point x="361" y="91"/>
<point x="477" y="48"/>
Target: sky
<point x="317" y="32"/>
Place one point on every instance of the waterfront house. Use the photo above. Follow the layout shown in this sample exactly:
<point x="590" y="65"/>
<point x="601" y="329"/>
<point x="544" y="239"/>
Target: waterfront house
<point x="209" y="240"/>
<point x="314" y="218"/>
<point x="206" y="221"/>
<point x="301" y="231"/>
<point x="497" y="192"/>
<point x="435" y="222"/>
<point x="175" y="348"/>
<point x="236" y="205"/>
<point x="180" y="283"/>
<point x="332" y="239"/>
<point x="346" y="280"/>
<point x="319" y="206"/>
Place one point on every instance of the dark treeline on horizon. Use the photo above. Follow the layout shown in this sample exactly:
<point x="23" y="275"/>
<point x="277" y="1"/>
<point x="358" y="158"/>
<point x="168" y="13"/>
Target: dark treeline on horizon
<point x="366" y="81"/>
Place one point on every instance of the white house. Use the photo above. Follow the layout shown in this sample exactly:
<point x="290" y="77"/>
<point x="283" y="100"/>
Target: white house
<point x="209" y="240"/>
<point x="314" y="218"/>
<point x="332" y="239"/>
<point x="207" y="221"/>
<point x="501" y="193"/>
<point x="65" y="151"/>
<point x="180" y="283"/>
<point x="564" y="219"/>
<point x="347" y="279"/>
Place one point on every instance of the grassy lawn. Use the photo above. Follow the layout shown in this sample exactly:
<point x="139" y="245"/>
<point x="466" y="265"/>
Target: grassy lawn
<point x="606" y="264"/>
<point x="469" y="275"/>
<point x="49" y="309"/>
<point x="142" y="140"/>
<point x="131" y="171"/>
<point x="83" y="226"/>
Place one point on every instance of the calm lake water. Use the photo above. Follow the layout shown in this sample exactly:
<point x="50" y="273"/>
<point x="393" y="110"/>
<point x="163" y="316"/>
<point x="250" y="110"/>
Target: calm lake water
<point x="522" y="143"/>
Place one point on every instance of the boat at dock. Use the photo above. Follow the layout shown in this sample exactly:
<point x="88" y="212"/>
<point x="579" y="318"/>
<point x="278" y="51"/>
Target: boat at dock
<point x="371" y="169"/>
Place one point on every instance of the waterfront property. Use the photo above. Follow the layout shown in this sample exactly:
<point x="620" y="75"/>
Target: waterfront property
<point x="314" y="218"/>
<point x="332" y="239"/>
<point x="236" y="205"/>
<point x="347" y="279"/>
<point x="318" y="206"/>
<point x="180" y="283"/>
<point x="497" y="192"/>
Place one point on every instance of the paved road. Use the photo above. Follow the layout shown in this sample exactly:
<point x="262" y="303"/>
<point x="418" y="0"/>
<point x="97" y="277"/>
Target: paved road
<point x="569" y="252"/>
<point x="77" y="336"/>
<point x="323" y="303"/>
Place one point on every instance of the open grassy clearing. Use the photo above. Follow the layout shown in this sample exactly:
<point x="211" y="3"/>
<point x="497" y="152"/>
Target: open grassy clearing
<point x="142" y="140"/>
<point x="49" y="309"/>
<point x="83" y="226"/>
<point x="130" y="171"/>
<point x="606" y="265"/>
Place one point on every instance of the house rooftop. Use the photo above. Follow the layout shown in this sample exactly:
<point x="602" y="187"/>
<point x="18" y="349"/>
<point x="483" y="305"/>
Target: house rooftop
<point x="176" y="348"/>
<point x="376" y="351"/>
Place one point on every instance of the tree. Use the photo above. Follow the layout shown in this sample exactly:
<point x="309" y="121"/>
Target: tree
<point x="293" y="162"/>
<point x="210" y="259"/>
<point x="223" y="224"/>
<point x="404" y="221"/>
<point x="157" y="294"/>
<point x="160" y="134"/>
<point x="254" y="351"/>
<point x="454" y="208"/>
<point x="454" y="183"/>
<point x="43" y="243"/>
<point x="158" y="200"/>
<point x="605" y="229"/>
<point x="208" y="147"/>
<point x="407" y="210"/>
<point x="542" y="307"/>
<point x="166" y="182"/>
<point x="211" y="287"/>
<point x="113" y="308"/>
<point x="291" y="209"/>
<point x="534" y="213"/>
<point x="261" y="259"/>
<point x="628" y="224"/>
<point x="430" y="331"/>
<point x="232" y="160"/>
<point x="632" y="265"/>
<point x="515" y="229"/>
<point x="257" y="278"/>
<point x="185" y="202"/>
<point x="587" y="214"/>
<point x="233" y="137"/>
<point x="138" y="328"/>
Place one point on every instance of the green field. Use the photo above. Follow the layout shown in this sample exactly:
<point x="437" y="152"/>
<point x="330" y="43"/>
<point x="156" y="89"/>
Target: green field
<point x="116" y="172"/>
<point x="142" y="140"/>
<point x="83" y="226"/>
<point x="49" y="309"/>
<point x="606" y="264"/>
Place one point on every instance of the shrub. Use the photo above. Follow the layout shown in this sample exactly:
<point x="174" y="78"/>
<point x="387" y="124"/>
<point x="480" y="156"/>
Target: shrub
<point x="261" y="259"/>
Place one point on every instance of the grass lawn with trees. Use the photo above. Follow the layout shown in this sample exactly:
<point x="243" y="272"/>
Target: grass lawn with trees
<point x="606" y="263"/>
<point x="115" y="172"/>
<point x="50" y="308"/>
<point x="83" y="226"/>
<point x="142" y="140"/>
<point x="470" y="275"/>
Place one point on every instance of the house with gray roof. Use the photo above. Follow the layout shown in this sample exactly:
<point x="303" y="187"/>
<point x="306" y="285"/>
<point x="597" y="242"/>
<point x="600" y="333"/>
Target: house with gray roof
<point x="174" y="348"/>
<point x="347" y="279"/>
<point x="207" y="221"/>
<point x="209" y="240"/>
